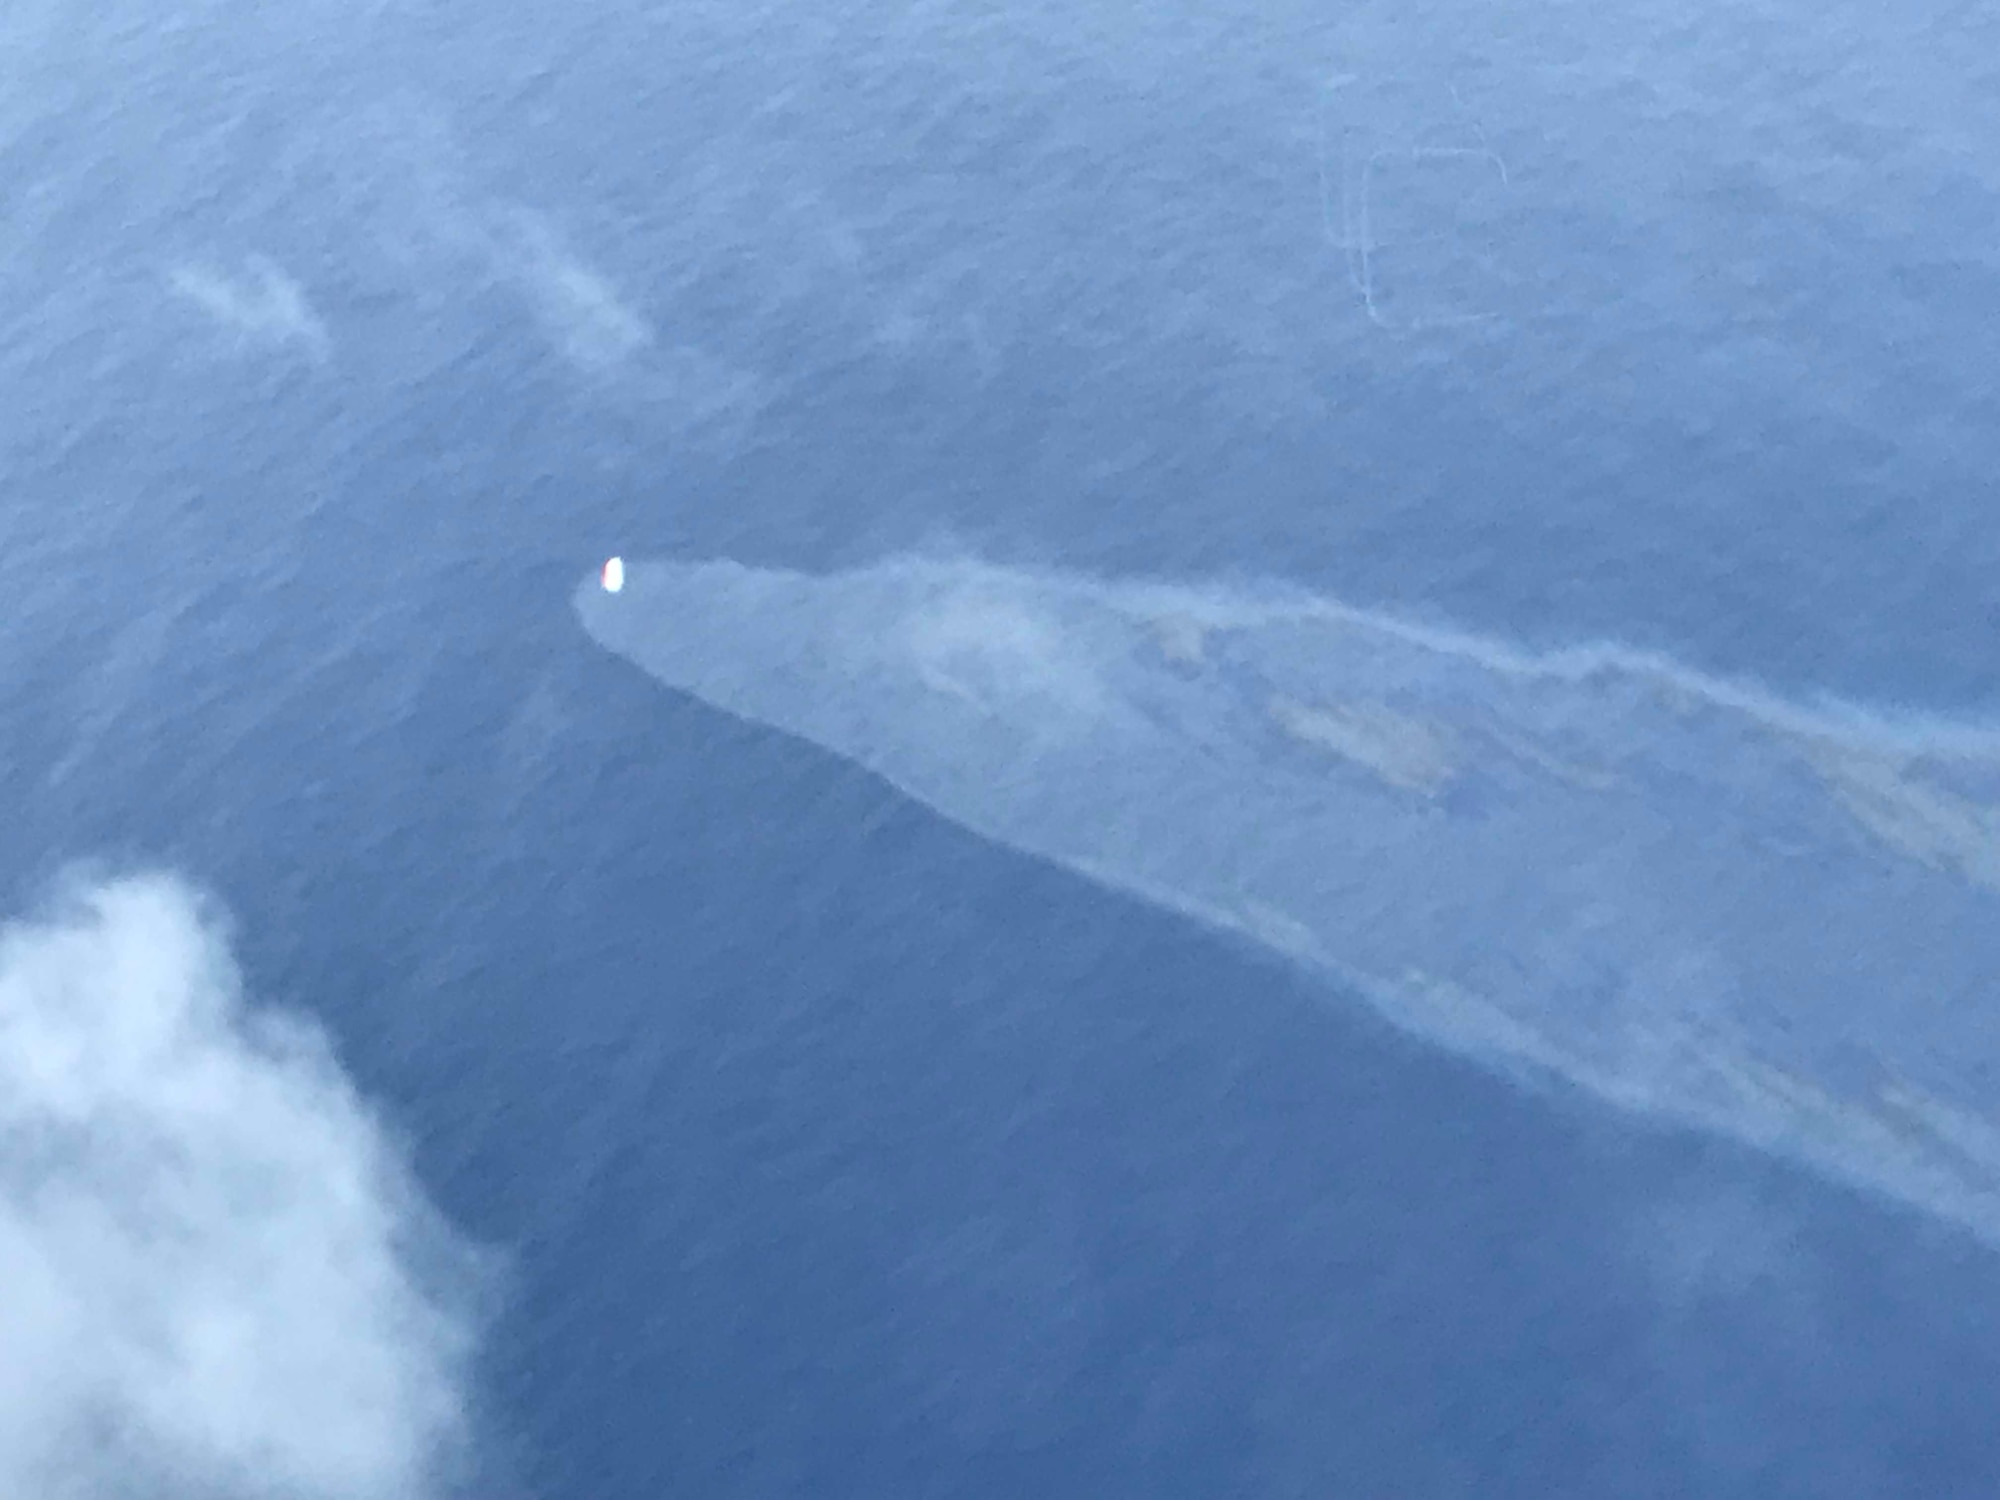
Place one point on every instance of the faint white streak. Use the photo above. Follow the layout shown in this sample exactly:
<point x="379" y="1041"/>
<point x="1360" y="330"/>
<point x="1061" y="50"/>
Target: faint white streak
<point x="600" y="333"/>
<point x="265" y="307"/>
<point x="1401" y="750"/>
<point x="582" y="311"/>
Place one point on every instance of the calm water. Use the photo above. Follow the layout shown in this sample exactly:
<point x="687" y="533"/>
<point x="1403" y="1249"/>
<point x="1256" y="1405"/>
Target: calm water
<point x="832" y="1150"/>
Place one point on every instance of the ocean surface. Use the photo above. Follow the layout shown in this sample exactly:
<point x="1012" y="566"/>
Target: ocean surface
<point x="438" y="1057"/>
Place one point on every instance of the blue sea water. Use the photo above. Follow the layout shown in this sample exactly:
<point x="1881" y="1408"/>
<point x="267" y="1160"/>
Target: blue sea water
<point x="830" y="1150"/>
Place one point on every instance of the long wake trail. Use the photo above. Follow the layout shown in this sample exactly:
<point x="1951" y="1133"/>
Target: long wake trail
<point x="1692" y="898"/>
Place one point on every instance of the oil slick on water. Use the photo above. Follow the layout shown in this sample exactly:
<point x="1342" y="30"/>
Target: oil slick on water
<point x="1691" y="898"/>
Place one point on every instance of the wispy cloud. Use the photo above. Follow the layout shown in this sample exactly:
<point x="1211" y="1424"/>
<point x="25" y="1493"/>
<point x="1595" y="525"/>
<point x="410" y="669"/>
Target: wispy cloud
<point x="583" y="313"/>
<point x="445" y="232"/>
<point x="216" y="1274"/>
<point x="266" y="305"/>
<point x="587" y="320"/>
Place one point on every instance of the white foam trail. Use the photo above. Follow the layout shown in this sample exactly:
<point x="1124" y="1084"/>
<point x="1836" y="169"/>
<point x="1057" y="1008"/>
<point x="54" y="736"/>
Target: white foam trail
<point x="216" y="1277"/>
<point x="1778" y="921"/>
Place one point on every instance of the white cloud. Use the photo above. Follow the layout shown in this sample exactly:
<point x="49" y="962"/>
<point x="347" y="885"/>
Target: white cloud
<point x="217" y="1277"/>
<point x="600" y="333"/>
<point x="582" y="312"/>
<point x="268" y="307"/>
